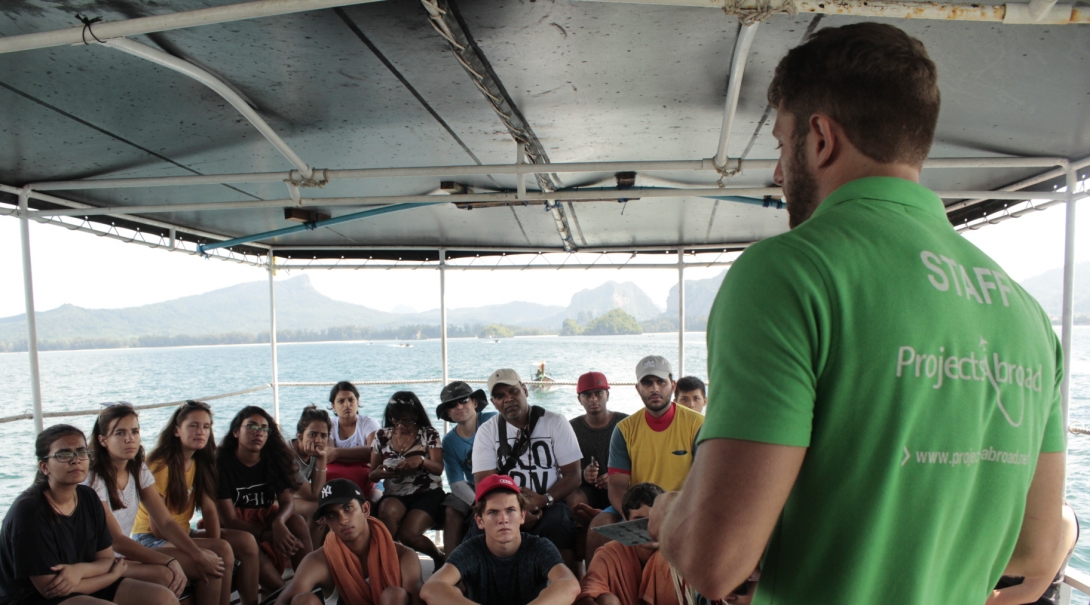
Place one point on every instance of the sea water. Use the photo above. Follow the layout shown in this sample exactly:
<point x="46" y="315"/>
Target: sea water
<point x="78" y="380"/>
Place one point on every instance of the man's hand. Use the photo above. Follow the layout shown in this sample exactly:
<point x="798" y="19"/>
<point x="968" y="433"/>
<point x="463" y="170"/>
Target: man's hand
<point x="585" y="512"/>
<point x="590" y="474"/>
<point x="66" y="580"/>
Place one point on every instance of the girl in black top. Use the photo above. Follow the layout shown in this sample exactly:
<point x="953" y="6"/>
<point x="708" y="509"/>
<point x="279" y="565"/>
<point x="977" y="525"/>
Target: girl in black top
<point x="257" y="482"/>
<point x="54" y="542"/>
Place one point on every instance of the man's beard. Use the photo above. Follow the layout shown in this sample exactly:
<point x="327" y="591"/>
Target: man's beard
<point x="800" y="188"/>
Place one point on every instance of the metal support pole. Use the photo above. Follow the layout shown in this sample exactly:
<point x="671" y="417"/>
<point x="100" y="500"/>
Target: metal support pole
<point x="272" y="336"/>
<point x="443" y="319"/>
<point x="1069" y="290"/>
<point x="680" y="313"/>
<point x="31" y="320"/>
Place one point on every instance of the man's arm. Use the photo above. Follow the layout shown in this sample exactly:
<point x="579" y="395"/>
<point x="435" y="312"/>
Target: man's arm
<point x="735" y="491"/>
<point x="570" y="478"/>
<point x="313" y="572"/>
<point x="618" y="484"/>
<point x="1041" y="524"/>
<point x="563" y="588"/>
<point x="442" y="588"/>
<point x="410" y="572"/>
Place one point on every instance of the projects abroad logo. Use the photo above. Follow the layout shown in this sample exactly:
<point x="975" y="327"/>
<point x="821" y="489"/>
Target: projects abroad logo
<point x="942" y="368"/>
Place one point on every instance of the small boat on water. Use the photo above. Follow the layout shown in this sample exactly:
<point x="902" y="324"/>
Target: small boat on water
<point x="542" y="382"/>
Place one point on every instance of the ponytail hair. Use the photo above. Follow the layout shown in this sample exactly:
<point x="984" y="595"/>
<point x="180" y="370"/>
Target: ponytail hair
<point x="310" y="414"/>
<point x="42" y="445"/>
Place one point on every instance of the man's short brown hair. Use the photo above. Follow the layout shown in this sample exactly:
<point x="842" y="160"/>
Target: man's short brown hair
<point x="478" y="506"/>
<point x="872" y="78"/>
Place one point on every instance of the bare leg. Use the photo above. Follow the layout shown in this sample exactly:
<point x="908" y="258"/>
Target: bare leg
<point x="207" y="593"/>
<point x="245" y="548"/>
<point x="307" y="598"/>
<point x="270" y="579"/>
<point x="411" y="534"/>
<point x="84" y="600"/>
<point x="595" y="540"/>
<point x="154" y="574"/>
<point x="135" y="592"/>
<point x="390" y="512"/>
<point x="305" y="509"/>
<point x="393" y="595"/>
<point x="298" y="527"/>
<point x="607" y="598"/>
<point x="453" y="530"/>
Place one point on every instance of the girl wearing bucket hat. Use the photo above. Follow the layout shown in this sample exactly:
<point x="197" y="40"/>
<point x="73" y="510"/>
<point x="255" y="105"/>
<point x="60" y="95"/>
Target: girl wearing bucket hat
<point x="461" y="405"/>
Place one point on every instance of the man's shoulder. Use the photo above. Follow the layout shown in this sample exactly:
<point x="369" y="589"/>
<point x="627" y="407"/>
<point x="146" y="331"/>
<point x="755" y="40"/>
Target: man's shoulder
<point x="688" y="417"/>
<point x="468" y="553"/>
<point x="554" y="420"/>
<point x="632" y="420"/>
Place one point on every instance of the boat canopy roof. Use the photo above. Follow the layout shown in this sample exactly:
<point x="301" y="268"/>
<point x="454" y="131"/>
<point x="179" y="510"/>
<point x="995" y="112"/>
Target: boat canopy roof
<point x="629" y="98"/>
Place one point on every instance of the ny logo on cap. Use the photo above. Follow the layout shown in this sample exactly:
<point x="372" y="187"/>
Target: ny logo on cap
<point x="326" y="491"/>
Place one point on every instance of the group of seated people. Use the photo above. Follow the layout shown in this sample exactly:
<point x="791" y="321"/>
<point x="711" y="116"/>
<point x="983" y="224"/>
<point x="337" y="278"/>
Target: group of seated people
<point x="347" y="503"/>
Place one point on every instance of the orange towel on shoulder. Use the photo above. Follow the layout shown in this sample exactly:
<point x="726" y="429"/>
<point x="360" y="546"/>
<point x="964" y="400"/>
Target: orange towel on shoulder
<point x="657" y="582"/>
<point x="616" y="569"/>
<point x="383" y="566"/>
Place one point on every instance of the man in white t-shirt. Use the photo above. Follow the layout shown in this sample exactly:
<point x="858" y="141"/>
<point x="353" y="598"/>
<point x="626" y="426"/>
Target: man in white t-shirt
<point x="539" y="450"/>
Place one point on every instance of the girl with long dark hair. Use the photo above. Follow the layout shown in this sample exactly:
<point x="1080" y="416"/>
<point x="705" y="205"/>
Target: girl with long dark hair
<point x="55" y="546"/>
<point x="350" y="439"/>
<point x="123" y="482"/>
<point x="257" y="483"/>
<point x="183" y="463"/>
<point x="408" y="457"/>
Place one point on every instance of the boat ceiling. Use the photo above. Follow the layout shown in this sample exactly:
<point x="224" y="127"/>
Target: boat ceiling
<point x="375" y="86"/>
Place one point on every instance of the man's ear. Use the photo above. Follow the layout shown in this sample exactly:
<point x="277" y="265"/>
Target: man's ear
<point x="366" y="508"/>
<point x="826" y="139"/>
<point x="479" y="521"/>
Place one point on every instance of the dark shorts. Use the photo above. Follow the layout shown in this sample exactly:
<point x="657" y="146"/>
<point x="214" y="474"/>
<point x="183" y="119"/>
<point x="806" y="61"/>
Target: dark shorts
<point x="557" y="525"/>
<point x="431" y="502"/>
<point x="597" y="498"/>
<point x="106" y="594"/>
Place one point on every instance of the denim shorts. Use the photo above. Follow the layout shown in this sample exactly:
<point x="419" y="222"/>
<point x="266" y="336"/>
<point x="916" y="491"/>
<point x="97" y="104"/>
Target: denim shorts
<point x="150" y="540"/>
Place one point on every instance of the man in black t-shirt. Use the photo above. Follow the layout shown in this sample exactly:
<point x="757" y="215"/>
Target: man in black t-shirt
<point x="594" y="430"/>
<point x="504" y="566"/>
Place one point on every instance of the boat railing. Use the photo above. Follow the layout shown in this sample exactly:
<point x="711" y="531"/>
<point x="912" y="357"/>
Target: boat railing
<point x="359" y="383"/>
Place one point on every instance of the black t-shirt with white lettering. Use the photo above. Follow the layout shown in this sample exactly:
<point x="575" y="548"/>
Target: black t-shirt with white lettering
<point x="32" y="541"/>
<point x="514" y="580"/>
<point x="247" y="486"/>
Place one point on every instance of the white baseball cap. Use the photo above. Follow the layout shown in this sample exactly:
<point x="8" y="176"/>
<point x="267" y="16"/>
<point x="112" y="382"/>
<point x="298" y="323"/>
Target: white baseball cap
<point x="502" y="376"/>
<point x="653" y="365"/>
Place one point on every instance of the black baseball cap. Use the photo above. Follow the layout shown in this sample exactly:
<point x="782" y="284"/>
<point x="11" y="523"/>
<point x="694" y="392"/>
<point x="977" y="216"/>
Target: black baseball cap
<point x="455" y="392"/>
<point x="337" y="491"/>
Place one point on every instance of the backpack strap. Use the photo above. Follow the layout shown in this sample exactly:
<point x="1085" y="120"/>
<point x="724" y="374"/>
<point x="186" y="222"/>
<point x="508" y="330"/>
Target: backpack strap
<point x="507" y="455"/>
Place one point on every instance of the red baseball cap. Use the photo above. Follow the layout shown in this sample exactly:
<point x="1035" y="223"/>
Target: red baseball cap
<point x="591" y="380"/>
<point x="492" y="483"/>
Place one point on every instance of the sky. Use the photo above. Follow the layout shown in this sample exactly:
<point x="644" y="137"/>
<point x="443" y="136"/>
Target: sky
<point x="95" y="272"/>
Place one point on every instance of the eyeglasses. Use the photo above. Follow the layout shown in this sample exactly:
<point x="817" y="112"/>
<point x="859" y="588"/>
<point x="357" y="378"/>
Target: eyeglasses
<point x="67" y="456"/>
<point x="255" y="428"/>
<point x="404" y="423"/>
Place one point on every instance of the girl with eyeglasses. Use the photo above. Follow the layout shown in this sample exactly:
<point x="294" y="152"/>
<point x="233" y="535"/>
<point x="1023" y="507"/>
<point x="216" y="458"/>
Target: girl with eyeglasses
<point x="122" y="481"/>
<point x="55" y="545"/>
<point x="349" y="450"/>
<point x="183" y="463"/>
<point x="408" y="457"/>
<point x="257" y="483"/>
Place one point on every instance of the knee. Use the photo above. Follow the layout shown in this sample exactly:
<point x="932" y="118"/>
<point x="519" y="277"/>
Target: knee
<point x="163" y="595"/>
<point x="405" y="533"/>
<point x="244" y="546"/>
<point x="454" y="518"/>
<point x="307" y="598"/>
<point x="394" y="595"/>
<point x="604" y="519"/>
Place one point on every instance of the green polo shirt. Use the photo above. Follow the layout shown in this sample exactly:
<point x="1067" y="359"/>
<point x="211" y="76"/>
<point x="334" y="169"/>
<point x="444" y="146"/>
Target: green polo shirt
<point x="923" y="380"/>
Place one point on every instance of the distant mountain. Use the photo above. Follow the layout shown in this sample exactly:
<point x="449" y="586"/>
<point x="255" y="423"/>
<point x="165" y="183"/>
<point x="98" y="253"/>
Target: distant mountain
<point x="586" y="305"/>
<point x="241" y="308"/>
<point x="1047" y="288"/>
<point x="699" y="296"/>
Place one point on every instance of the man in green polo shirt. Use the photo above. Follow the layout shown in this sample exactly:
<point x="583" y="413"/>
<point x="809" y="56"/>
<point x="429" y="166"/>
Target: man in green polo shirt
<point x="885" y="423"/>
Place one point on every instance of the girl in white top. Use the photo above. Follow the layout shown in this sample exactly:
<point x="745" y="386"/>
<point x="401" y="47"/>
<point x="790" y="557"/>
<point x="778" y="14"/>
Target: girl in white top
<point x="349" y="453"/>
<point x="123" y="482"/>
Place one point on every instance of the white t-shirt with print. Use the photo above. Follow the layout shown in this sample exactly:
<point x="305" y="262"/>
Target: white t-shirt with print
<point x="553" y="444"/>
<point x="130" y="496"/>
<point x="364" y="427"/>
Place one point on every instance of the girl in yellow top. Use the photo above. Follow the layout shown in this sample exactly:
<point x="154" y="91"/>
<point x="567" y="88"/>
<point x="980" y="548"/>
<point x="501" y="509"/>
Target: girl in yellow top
<point x="183" y="463"/>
